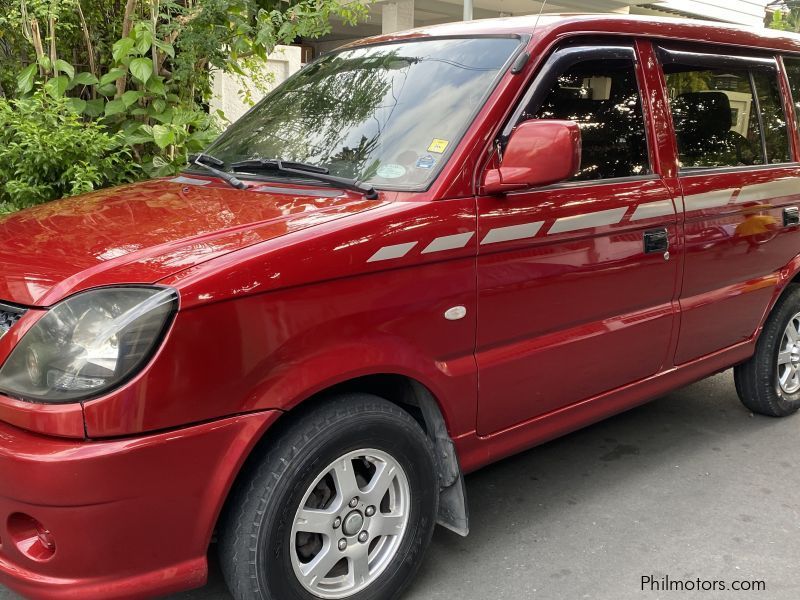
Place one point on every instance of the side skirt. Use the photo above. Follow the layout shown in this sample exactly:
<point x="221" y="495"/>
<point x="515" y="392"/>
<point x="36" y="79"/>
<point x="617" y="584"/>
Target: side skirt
<point x="475" y="451"/>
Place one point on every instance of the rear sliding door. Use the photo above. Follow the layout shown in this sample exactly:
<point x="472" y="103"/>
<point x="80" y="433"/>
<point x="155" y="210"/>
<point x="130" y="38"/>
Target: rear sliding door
<point x="740" y="184"/>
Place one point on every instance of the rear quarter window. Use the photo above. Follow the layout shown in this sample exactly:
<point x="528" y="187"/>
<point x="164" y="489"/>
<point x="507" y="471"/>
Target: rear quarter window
<point x="792" y="67"/>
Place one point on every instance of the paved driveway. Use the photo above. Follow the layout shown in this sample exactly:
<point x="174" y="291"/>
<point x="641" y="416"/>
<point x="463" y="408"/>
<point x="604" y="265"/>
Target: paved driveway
<point x="690" y="486"/>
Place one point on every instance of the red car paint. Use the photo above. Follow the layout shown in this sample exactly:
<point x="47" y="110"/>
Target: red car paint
<point x="285" y="294"/>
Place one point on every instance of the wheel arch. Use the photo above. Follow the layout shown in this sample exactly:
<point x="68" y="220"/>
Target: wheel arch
<point x="788" y="275"/>
<point x="413" y="397"/>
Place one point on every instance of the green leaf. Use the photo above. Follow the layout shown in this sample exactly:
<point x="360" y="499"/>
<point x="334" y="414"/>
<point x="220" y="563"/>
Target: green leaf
<point x="76" y="105"/>
<point x="115" y="107"/>
<point x="164" y="117"/>
<point x="44" y="62"/>
<point x="84" y="79"/>
<point x="183" y="117"/>
<point x="56" y="86"/>
<point x="141" y="69"/>
<point x="160" y="162"/>
<point x="25" y="79"/>
<point x="95" y="108"/>
<point x="156" y="86"/>
<point x="107" y="90"/>
<point x="163" y="136"/>
<point x="139" y="136"/>
<point x="159" y="104"/>
<point x="122" y="48"/>
<point x="63" y="66"/>
<point x="144" y="41"/>
<point x="131" y="97"/>
<point x="166" y="48"/>
<point x="112" y="76"/>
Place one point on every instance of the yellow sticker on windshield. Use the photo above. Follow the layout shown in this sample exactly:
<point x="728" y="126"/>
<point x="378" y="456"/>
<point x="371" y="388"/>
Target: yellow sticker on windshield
<point x="438" y="145"/>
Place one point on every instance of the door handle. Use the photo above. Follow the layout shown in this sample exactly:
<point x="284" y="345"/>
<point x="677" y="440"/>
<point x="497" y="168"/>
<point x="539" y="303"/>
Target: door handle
<point x="656" y="240"/>
<point x="791" y="216"/>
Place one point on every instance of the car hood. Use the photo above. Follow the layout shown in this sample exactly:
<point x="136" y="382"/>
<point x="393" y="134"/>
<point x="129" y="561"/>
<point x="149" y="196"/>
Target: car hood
<point x="144" y="232"/>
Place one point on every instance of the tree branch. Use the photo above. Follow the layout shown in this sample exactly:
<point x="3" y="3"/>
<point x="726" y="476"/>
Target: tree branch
<point x="127" y="26"/>
<point x="51" y="32"/>
<point x="38" y="47"/>
<point x="89" y="46"/>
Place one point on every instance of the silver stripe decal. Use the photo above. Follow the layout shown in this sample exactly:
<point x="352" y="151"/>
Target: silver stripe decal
<point x="448" y="242"/>
<point x="389" y="252"/>
<point x="189" y="181"/>
<point x="766" y="191"/>
<point x="650" y="210"/>
<point x="585" y="221"/>
<point x="512" y="232"/>
<point x="708" y="200"/>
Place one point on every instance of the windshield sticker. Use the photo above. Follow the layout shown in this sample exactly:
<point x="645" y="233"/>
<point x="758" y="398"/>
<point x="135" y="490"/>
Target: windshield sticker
<point x="438" y="145"/>
<point x="391" y="171"/>
<point x="426" y="162"/>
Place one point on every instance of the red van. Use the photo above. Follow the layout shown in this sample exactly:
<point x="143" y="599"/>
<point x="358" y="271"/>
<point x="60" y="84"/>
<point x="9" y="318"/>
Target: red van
<point x="422" y="253"/>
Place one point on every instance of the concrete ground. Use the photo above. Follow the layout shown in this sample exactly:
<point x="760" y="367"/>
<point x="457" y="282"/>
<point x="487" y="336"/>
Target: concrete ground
<point x="689" y="486"/>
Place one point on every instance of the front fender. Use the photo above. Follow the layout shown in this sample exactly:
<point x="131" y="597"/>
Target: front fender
<point x="272" y="350"/>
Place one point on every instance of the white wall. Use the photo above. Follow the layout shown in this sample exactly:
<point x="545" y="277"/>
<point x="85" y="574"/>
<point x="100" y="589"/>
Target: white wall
<point x="282" y="63"/>
<point x="742" y="12"/>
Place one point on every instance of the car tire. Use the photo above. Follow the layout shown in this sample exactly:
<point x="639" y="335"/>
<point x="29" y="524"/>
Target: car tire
<point x="280" y="531"/>
<point x="769" y="382"/>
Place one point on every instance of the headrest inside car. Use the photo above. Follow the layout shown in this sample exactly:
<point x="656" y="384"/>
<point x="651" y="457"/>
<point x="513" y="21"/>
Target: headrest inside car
<point x="708" y="111"/>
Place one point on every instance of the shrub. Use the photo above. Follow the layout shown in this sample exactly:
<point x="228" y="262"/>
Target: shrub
<point x="89" y="74"/>
<point x="47" y="151"/>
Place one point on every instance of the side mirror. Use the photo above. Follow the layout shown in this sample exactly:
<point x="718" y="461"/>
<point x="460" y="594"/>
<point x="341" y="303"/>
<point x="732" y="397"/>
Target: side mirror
<point x="538" y="153"/>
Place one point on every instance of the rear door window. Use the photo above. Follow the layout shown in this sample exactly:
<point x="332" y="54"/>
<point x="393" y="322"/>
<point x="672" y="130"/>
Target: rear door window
<point x="726" y="115"/>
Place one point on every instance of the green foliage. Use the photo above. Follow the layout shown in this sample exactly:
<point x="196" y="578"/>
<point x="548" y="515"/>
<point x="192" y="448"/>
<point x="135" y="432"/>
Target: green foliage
<point x="786" y="17"/>
<point x="149" y="86"/>
<point x="47" y="151"/>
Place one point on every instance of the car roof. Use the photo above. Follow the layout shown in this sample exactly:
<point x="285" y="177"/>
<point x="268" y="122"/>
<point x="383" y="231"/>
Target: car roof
<point x="549" y="25"/>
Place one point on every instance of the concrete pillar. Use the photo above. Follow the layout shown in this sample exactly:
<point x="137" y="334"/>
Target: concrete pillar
<point x="283" y="62"/>
<point x="467" y="10"/>
<point x="397" y="16"/>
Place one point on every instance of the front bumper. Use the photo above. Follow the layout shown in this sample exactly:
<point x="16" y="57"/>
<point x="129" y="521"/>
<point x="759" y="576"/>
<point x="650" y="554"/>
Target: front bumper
<point x="128" y="518"/>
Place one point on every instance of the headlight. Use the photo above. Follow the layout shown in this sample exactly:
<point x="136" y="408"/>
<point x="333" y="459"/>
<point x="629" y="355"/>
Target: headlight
<point x="88" y="344"/>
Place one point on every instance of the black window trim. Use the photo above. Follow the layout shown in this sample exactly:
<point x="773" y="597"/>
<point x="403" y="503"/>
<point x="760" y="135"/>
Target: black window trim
<point x="668" y="56"/>
<point x="671" y="56"/>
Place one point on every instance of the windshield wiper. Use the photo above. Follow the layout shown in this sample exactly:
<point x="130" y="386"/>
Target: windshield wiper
<point x="209" y="163"/>
<point x="305" y="170"/>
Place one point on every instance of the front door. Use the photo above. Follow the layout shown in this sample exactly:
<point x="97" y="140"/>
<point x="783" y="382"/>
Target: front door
<point x="576" y="280"/>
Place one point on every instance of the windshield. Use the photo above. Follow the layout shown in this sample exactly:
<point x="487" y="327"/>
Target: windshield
<point x="386" y="114"/>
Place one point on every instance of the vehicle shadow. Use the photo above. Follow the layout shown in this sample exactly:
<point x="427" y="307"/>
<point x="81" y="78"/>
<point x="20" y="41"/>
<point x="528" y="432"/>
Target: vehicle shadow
<point x="609" y="485"/>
